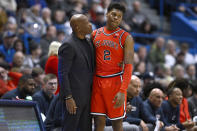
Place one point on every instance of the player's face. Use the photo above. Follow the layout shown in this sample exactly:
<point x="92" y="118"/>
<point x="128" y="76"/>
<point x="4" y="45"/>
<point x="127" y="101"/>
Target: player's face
<point x="114" y="18"/>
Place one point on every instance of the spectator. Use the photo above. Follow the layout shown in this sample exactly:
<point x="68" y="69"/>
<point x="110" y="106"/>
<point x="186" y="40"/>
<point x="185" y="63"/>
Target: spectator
<point x="192" y="102"/>
<point x="11" y="24"/>
<point x="180" y="59"/>
<point x="136" y="114"/>
<point x="136" y="17"/>
<point x="142" y="54"/>
<point x="5" y="84"/>
<point x="10" y="6"/>
<point x="47" y="39"/>
<point x="170" y="54"/>
<point x="61" y="35"/>
<point x="52" y="61"/>
<point x="167" y="76"/>
<point x="189" y="58"/>
<point x="60" y="21"/>
<point x="24" y="90"/>
<point x="140" y="67"/>
<point x="33" y="60"/>
<point x="100" y="17"/>
<point x="178" y="72"/>
<point x="191" y="72"/>
<point x="46" y="95"/>
<point x="156" y="54"/>
<point x="33" y="17"/>
<point x="93" y="7"/>
<point x="38" y="76"/>
<point x="46" y="16"/>
<point x="135" y="59"/>
<point x="159" y="72"/>
<point x="7" y="47"/>
<point x="171" y="108"/>
<point x="19" y="46"/>
<point x="17" y="62"/>
<point x="185" y="118"/>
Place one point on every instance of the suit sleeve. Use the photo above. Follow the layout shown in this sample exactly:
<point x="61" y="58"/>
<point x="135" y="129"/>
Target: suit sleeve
<point x="150" y="117"/>
<point x="65" y="60"/>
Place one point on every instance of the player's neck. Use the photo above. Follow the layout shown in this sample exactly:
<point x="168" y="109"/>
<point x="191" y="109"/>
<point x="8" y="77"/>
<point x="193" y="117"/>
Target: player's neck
<point x="111" y="28"/>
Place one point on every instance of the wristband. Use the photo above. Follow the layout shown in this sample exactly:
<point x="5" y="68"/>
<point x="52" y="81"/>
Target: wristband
<point x="126" y="77"/>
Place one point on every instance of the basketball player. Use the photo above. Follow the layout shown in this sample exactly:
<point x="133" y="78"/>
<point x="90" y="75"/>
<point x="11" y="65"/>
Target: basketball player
<point x="114" y="57"/>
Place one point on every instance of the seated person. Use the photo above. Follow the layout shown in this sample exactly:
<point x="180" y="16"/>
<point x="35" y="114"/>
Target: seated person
<point x="54" y="116"/>
<point x="185" y="118"/>
<point x="154" y="110"/>
<point x="46" y="94"/>
<point x="135" y="110"/>
<point x="24" y="90"/>
<point x="171" y="108"/>
<point x="192" y="102"/>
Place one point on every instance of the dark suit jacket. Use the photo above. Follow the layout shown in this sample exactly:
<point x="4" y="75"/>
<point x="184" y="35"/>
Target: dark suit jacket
<point x="11" y="95"/>
<point x="43" y="101"/>
<point x="75" y="70"/>
<point x="54" y="118"/>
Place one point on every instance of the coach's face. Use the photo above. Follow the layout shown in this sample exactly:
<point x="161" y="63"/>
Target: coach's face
<point x="85" y="26"/>
<point x="114" y="18"/>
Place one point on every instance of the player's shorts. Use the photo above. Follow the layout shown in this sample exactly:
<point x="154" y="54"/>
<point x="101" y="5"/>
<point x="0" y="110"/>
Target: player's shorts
<point x="103" y="93"/>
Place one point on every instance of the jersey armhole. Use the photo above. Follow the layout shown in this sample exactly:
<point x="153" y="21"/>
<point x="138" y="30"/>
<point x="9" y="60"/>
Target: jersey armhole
<point x="123" y="37"/>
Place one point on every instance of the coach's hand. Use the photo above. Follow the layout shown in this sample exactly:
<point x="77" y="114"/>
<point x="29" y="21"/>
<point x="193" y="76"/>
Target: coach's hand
<point x="119" y="99"/>
<point x="71" y="106"/>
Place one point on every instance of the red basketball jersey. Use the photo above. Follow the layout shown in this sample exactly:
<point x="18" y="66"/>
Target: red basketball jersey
<point x="109" y="50"/>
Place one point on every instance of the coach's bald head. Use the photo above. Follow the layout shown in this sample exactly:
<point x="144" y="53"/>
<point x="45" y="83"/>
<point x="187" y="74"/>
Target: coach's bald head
<point x="80" y="25"/>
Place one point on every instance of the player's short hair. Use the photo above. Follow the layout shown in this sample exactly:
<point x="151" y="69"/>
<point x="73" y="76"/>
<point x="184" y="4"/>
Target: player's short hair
<point x="116" y="5"/>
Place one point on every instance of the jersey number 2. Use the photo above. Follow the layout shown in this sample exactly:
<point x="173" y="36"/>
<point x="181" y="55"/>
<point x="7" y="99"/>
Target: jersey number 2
<point x="107" y="55"/>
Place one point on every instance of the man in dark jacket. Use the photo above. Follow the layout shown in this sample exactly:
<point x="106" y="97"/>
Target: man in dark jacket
<point x="154" y="111"/>
<point x="136" y="114"/>
<point x="46" y="94"/>
<point x="25" y="89"/>
<point x="171" y="108"/>
<point x="54" y="118"/>
<point x="75" y="72"/>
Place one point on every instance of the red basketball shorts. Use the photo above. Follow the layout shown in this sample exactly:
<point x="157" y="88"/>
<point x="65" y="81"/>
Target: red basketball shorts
<point x="103" y="93"/>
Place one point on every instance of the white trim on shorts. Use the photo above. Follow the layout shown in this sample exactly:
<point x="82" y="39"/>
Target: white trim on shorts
<point x="103" y="114"/>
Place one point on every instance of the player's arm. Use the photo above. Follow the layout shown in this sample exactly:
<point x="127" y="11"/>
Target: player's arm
<point x="128" y="61"/>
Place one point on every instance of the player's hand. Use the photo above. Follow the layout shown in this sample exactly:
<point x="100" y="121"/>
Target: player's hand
<point x="119" y="99"/>
<point x="71" y="106"/>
